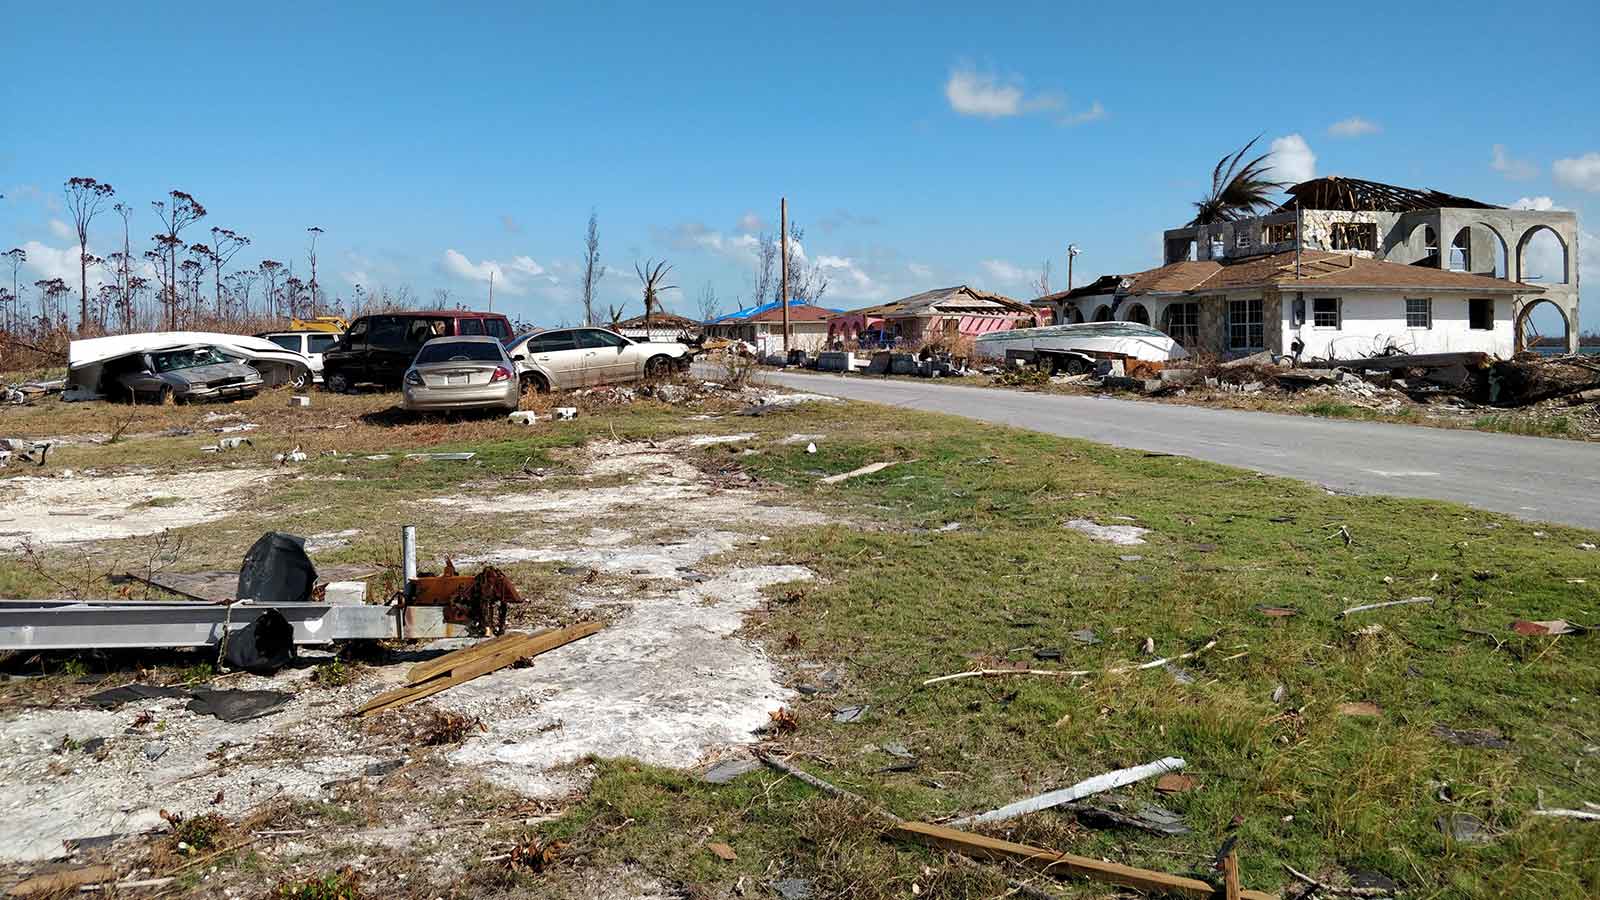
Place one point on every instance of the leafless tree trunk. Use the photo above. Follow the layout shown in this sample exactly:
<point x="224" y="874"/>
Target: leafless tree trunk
<point x="85" y="197"/>
<point x="224" y="245"/>
<point x="709" y="304"/>
<point x="592" y="270"/>
<point x="1043" y="284"/>
<point x="183" y="211"/>
<point x="314" y="301"/>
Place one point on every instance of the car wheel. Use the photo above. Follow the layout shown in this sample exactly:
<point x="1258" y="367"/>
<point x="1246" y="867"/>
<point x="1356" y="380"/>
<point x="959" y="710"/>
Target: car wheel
<point x="336" y="382"/>
<point x="657" y="366"/>
<point x="535" y="382"/>
<point x="300" y="379"/>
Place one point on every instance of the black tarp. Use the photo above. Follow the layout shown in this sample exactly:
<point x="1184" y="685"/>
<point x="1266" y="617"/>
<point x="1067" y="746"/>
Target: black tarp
<point x="277" y="570"/>
<point x="264" y="646"/>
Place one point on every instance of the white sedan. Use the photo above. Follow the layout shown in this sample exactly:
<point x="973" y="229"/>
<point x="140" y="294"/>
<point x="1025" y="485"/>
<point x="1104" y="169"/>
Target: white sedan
<point x="567" y="358"/>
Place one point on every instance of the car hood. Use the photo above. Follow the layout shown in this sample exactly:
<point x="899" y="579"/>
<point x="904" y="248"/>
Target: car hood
<point x="208" y="374"/>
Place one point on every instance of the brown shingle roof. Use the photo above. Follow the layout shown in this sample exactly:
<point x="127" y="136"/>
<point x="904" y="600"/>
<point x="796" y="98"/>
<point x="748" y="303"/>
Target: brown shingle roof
<point x="1318" y="269"/>
<point x="947" y="301"/>
<point x="798" y="312"/>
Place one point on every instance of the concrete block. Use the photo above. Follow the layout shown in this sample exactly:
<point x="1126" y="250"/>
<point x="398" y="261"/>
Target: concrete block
<point x="522" y="417"/>
<point x="345" y="593"/>
<point x="836" y="361"/>
<point x="299" y="400"/>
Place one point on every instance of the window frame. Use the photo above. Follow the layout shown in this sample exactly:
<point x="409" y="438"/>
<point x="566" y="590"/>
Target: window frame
<point x="1339" y="236"/>
<point x="469" y="326"/>
<point x="1426" y="313"/>
<point x="608" y="340"/>
<point x="1259" y="326"/>
<point x="329" y="339"/>
<point x="1338" y="314"/>
<point x="1186" y="332"/>
<point x="1472" y="318"/>
<point x="568" y="334"/>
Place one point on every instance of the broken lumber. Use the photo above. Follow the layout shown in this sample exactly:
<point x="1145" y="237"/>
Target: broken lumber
<point x="867" y="469"/>
<point x="1053" y="862"/>
<point x="1077" y="791"/>
<point x="473" y="662"/>
<point x="1069" y="673"/>
<point x="54" y="884"/>
<point x="1369" y="606"/>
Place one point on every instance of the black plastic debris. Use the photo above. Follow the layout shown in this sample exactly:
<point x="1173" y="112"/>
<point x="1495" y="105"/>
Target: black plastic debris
<point x="277" y="570"/>
<point x="1489" y="738"/>
<point x="729" y="769"/>
<point x="264" y="646"/>
<point x="237" y="706"/>
<point x="128" y="693"/>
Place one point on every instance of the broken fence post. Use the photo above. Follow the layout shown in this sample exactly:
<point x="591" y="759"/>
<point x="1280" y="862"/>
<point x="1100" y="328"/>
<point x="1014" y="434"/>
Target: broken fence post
<point x="1076" y="792"/>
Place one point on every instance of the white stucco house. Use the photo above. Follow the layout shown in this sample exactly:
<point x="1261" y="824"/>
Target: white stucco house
<point x="1346" y="269"/>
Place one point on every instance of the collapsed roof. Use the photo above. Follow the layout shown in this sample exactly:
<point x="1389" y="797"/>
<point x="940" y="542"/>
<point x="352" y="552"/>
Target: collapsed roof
<point x="1356" y="195"/>
<point x="1316" y="269"/>
<point x="957" y="300"/>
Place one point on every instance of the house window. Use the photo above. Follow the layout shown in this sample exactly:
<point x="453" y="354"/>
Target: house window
<point x="1419" y="312"/>
<point x="1282" y="233"/>
<point x="1480" y="314"/>
<point x="1325" y="312"/>
<point x="1183" y="323"/>
<point x="1245" y="327"/>
<point x="1355" y="236"/>
<point x="1241" y="241"/>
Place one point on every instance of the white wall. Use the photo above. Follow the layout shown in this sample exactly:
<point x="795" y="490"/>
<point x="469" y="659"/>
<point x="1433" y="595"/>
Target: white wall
<point x="1370" y="322"/>
<point x="808" y="336"/>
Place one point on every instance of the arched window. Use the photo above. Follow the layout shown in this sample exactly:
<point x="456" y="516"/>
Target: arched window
<point x="1103" y="314"/>
<point x="1137" y="313"/>
<point x="1542" y="256"/>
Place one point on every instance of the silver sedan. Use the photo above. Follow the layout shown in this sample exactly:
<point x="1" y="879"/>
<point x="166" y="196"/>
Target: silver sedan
<point x="452" y="373"/>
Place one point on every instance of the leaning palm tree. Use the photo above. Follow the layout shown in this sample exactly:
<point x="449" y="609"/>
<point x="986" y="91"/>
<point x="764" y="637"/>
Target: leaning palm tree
<point x="651" y="275"/>
<point x="1237" y="191"/>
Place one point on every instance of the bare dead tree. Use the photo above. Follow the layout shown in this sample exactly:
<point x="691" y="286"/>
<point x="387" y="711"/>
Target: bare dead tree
<point x="1043" y="284"/>
<point x="708" y="303"/>
<point x="85" y="196"/>
<point x="592" y="270"/>
<point x="51" y="290"/>
<point x="808" y="281"/>
<point x="125" y="275"/>
<point x="271" y="271"/>
<point x="176" y="213"/>
<point x="764" y="284"/>
<point x="225" y="244"/>
<point x="314" y="231"/>
<point x="651" y="275"/>
<point x="16" y="256"/>
<point x="293" y="289"/>
<point x="239" y="286"/>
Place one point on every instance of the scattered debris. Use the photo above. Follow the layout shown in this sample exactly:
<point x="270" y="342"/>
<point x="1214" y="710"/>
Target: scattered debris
<point x="1056" y="863"/>
<point x="55" y="884"/>
<point x="1550" y="627"/>
<point x="1464" y="828"/>
<point x="1387" y="603"/>
<point x="295" y="456"/>
<point x="565" y="413"/>
<point x="24" y="451"/>
<point x="722" y="851"/>
<point x="850" y="714"/>
<point x="1077" y="791"/>
<point x="442" y="457"/>
<point x="1361" y="709"/>
<point x="1122" y="535"/>
<point x="1120" y="812"/>
<point x="729" y="769"/>
<point x="1174" y="783"/>
<point x="1069" y="673"/>
<point x="867" y="469"/>
<point x="792" y="888"/>
<point x="1277" y="612"/>
<point x="1085" y="636"/>
<point x="299" y="400"/>
<point x="522" y="417"/>
<point x="439" y="728"/>
<point x="1488" y="738"/>
<point x="1318" y="887"/>
<point x="429" y="678"/>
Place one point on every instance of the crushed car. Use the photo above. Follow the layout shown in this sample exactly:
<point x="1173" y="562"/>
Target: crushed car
<point x="188" y="374"/>
<point x="96" y="366"/>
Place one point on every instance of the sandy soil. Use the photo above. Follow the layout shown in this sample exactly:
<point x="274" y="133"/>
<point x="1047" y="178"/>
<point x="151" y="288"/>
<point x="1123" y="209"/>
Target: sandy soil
<point x="64" y="508"/>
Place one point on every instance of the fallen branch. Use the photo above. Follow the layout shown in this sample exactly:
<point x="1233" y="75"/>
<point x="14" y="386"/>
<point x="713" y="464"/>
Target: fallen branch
<point x="1069" y="673"/>
<point x="1077" y="791"/>
<point x="1569" y="814"/>
<point x="127" y="885"/>
<point x="867" y="469"/>
<point x="1367" y="606"/>
<point x="1052" y="862"/>
<point x="1341" y="891"/>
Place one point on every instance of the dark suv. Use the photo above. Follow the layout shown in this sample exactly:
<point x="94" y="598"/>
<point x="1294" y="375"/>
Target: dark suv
<point x="377" y="349"/>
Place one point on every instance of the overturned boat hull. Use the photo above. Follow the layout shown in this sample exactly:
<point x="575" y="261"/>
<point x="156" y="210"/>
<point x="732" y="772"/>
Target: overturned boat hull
<point x="1098" y="340"/>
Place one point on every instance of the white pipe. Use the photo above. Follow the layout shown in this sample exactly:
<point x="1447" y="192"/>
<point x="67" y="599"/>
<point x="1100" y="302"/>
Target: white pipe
<point x="408" y="555"/>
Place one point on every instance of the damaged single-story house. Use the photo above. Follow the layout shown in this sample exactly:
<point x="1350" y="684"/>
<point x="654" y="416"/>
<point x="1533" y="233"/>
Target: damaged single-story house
<point x="1348" y="268"/>
<point x="664" y="326"/>
<point x="762" y="326"/>
<point x="941" y="314"/>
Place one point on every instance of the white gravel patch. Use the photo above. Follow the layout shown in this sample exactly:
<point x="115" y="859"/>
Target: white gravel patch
<point x="115" y="506"/>
<point x="1125" y="535"/>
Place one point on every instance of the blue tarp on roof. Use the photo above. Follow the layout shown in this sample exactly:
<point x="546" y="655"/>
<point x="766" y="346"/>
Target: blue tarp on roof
<point x="765" y="307"/>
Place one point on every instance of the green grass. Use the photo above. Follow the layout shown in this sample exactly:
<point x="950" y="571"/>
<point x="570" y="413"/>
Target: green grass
<point x="1315" y="789"/>
<point x="1557" y="426"/>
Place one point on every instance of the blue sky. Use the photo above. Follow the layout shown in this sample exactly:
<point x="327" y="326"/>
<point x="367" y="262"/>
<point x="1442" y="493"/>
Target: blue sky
<point x="919" y="145"/>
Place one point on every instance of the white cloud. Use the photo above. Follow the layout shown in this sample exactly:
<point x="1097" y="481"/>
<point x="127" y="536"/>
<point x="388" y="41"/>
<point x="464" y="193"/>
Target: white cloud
<point x="919" y="270"/>
<point x="750" y="222"/>
<point x="62" y="230"/>
<point x="1005" y="272"/>
<point x="1094" y="113"/>
<point x="848" y="280"/>
<point x="1501" y="161"/>
<point x="512" y="278"/>
<point x="1354" y="127"/>
<point x="1290" y="160"/>
<point x="1542" y="204"/>
<point x="974" y="93"/>
<point x="46" y="262"/>
<point x="1581" y="173"/>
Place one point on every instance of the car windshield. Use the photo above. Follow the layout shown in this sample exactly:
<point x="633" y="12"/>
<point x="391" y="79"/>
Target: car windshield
<point x="173" y="360"/>
<point x="459" y="351"/>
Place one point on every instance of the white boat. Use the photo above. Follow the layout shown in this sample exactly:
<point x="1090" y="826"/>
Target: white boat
<point x="91" y="360"/>
<point x="1088" y="340"/>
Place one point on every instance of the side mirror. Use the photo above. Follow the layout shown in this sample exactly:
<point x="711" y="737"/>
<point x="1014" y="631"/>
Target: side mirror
<point x="520" y="357"/>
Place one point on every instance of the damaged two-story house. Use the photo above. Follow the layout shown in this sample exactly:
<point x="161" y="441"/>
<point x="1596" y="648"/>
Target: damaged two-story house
<point x="1348" y="268"/>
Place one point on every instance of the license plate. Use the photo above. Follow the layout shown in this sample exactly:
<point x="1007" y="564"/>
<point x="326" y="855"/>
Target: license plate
<point x="456" y="379"/>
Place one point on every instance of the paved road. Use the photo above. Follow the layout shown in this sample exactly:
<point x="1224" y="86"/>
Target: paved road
<point x="1542" y="479"/>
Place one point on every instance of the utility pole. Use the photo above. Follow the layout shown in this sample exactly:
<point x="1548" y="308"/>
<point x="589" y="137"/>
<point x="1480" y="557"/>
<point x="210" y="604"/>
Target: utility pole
<point x="1072" y="252"/>
<point x="491" y="290"/>
<point x="783" y="290"/>
<point x="313" y="231"/>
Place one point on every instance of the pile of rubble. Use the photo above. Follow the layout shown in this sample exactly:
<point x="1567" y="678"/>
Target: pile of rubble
<point x="1465" y="380"/>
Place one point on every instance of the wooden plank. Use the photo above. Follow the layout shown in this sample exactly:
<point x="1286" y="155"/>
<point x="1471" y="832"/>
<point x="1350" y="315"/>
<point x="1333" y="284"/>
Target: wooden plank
<point x="422" y="671"/>
<point x="1053" y="862"/>
<point x="55" y="884"/>
<point x="527" y="646"/>
<point x="1230" y="875"/>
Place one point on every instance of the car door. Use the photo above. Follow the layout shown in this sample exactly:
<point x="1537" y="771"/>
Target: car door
<point x="348" y="358"/>
<point x="556" y="354"/>
<point x="610" y="356"/>
<point x="317" y="344"/>
<point x="388" y="349"/>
